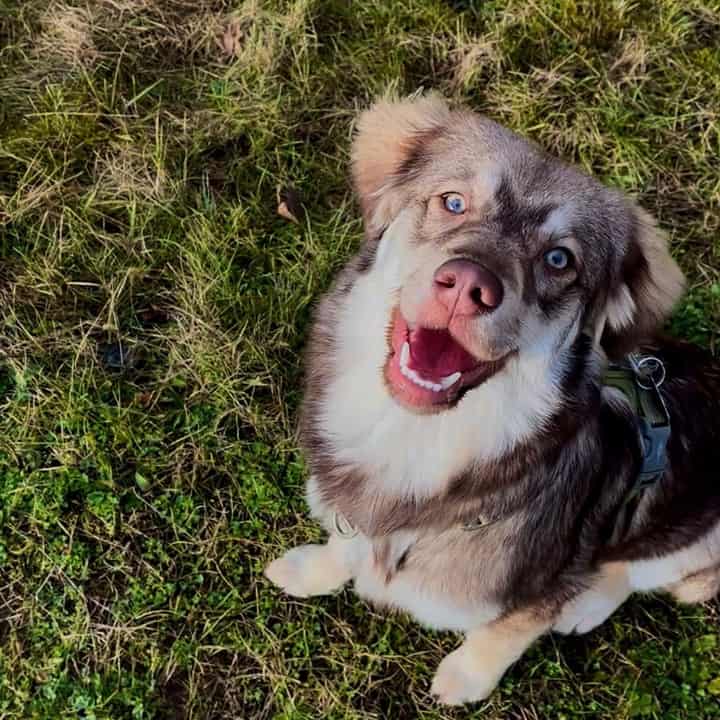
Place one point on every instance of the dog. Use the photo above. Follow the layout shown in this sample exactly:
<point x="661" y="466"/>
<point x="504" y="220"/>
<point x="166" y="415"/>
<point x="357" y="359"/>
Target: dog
<point x="468" y="456"/>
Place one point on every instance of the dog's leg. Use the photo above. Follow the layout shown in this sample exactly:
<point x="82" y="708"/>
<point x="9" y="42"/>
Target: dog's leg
<point x="312" y="569"/>
<point x="593" y="607"/>
<point x="472" y="671"/>
<point x="697" y="588"/>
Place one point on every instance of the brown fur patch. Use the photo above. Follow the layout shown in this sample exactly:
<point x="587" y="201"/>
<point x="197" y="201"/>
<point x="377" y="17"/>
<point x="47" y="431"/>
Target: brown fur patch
<point x="389" y="134"/>
<point x="650" y="286"/>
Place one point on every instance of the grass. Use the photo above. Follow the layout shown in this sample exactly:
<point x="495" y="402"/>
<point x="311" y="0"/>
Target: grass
<point x="153" y="306"/>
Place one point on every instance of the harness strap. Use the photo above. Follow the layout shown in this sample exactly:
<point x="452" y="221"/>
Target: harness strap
<point x="640" y="380"/>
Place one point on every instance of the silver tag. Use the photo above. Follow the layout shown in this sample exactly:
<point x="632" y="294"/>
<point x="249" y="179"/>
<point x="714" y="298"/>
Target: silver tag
<point x="343" y="527"/>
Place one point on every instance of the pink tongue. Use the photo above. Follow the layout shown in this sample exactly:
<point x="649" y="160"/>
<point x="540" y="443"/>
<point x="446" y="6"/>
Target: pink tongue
<point x="435" y="353"/>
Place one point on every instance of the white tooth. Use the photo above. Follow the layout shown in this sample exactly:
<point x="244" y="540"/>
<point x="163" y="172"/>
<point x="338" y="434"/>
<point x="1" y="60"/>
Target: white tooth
<point x="410" y="374"/>
<point x="446" y="382"/>
<point x="404" y="355"/>
<point x="415" y="378"/>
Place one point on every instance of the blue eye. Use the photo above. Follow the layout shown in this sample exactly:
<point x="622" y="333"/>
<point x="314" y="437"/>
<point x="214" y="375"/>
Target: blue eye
<point x="454" y="203"/>
<point x="558" y="258"/>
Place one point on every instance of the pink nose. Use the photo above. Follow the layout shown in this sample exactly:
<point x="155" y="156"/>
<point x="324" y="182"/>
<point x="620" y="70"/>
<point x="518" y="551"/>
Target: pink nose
<point x="467" y="288"/>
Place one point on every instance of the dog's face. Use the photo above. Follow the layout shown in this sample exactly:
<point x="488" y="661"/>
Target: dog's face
<point x="497" y="251"/>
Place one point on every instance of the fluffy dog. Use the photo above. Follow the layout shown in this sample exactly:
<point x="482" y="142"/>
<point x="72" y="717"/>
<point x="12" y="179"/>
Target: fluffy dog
<point x="468" y="459"/>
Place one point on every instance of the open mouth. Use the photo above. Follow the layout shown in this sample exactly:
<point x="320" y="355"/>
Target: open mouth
<point x="428" y="368"/>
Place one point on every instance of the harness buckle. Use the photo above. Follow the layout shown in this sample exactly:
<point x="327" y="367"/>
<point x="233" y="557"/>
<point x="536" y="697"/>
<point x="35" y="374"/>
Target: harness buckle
<point x="654" y="440"/>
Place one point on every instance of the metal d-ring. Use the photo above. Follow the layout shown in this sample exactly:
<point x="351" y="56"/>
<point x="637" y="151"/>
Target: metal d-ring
<point x="343" y="527"/>
<point x="648" y="368"/>
<point x="478" y="523"/>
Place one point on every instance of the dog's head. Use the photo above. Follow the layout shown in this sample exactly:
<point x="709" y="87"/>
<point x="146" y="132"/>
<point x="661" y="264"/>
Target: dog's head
<point x="493" y="250"/>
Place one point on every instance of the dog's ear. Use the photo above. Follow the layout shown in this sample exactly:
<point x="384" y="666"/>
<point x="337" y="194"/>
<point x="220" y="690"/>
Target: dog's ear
<point x="390" y="140"/>
<point x="649" y="286"/>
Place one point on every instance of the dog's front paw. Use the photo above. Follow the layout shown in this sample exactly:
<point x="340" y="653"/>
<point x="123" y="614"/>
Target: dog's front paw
<point x="461" y="679"/>
<point x="307" y="570"/>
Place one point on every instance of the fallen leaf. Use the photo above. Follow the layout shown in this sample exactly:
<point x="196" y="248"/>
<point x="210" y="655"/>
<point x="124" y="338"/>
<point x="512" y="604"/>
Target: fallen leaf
<point x="231" y="40"/>
<point x="289" y="204"/>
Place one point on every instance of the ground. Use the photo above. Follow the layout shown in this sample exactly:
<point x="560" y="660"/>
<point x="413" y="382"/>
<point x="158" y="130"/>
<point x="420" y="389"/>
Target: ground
<point x="154" y="305"/>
